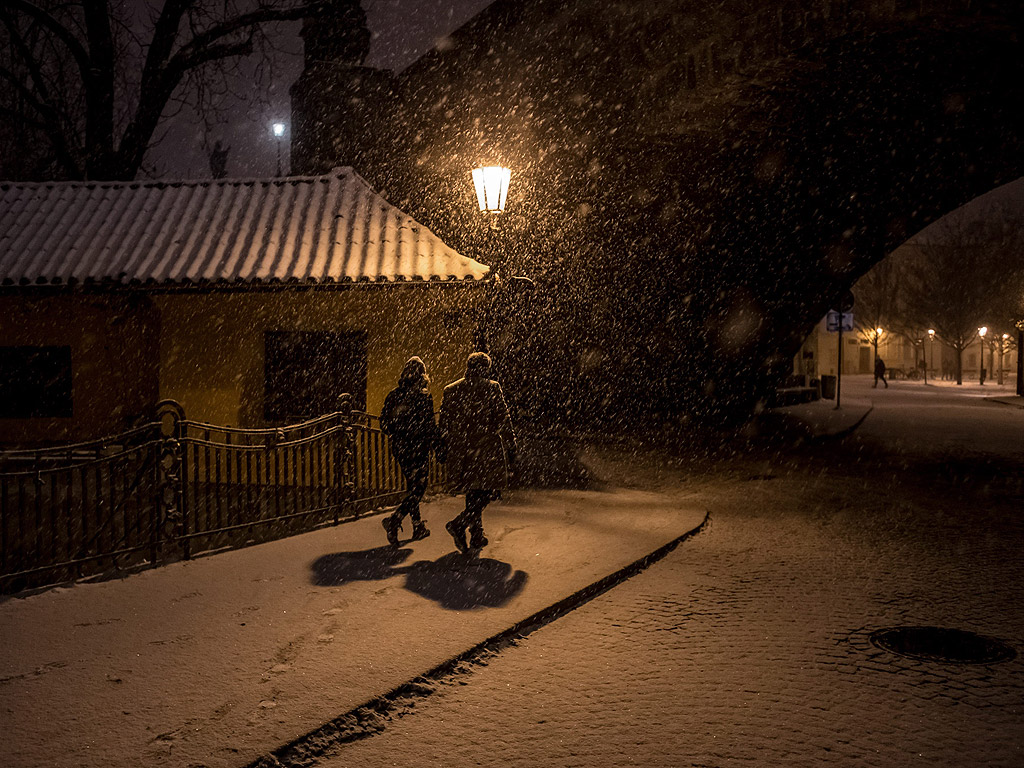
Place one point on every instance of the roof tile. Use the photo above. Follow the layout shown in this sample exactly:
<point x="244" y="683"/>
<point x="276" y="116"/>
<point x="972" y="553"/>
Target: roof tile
<point x="319" y="229"/>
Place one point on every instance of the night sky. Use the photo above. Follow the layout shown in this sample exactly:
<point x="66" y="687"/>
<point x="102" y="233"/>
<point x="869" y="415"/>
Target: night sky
<point x="403" y="30"/>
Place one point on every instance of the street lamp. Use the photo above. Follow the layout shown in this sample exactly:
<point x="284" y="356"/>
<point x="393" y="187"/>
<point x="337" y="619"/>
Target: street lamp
<point x="878" y="337"/>
<point x="981" y="354"/>
<point x="278" y="131"/>
<point x="491" y="183"/>
<point x="931" y="343"/>
<point x="1002" y="354"/>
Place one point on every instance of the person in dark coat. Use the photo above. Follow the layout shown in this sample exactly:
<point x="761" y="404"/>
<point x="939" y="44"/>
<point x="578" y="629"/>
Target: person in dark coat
<point x="880" y="372"/>
<point x="407" y="418"/>
<point x="477" y="433"/>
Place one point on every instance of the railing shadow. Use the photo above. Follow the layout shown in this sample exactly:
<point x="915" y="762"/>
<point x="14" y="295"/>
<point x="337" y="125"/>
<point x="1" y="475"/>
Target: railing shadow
<point x="455" y="581"/>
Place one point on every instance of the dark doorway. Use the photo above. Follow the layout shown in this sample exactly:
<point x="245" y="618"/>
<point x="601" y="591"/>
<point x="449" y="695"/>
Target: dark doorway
<point x="305" y="372"/>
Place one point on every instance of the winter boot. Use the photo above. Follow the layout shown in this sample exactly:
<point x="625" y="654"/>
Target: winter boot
<point x="458" y="534"/>
<point x="419" y="530"/>
<point x="391" y="527"/>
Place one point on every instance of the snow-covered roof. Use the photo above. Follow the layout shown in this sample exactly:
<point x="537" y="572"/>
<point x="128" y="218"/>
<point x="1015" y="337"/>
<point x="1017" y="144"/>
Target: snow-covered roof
<point x="312" y="229"/>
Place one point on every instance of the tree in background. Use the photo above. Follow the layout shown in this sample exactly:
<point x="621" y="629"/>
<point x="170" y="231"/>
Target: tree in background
<point x="85" y="83"/>
<point x="877" y="298"/>
<point x="957" y="278"/>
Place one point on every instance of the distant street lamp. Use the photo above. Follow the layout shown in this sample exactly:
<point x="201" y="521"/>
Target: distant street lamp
<point x="876" y="337"/>
<point x="1020" y="357"/>
<point x="278" y="131"/>
<point x="981" y="354"/>
<point x="1002" y="354"/>
<point x="931" y="343"/>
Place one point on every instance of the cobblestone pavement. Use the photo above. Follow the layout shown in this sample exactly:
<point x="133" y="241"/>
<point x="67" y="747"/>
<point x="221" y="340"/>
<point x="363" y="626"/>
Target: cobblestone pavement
<point x="749" y="644"/>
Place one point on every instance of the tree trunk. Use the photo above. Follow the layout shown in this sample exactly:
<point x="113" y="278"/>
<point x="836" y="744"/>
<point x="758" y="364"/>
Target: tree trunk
<point x="959" y="366"/>
<point x="1020" y="362"/>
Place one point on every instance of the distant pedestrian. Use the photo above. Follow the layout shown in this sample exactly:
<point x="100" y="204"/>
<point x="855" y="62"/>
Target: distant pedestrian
<point x="408" y="420"/>
<point x="481" y="445"/>
<point x="880" y="372"/>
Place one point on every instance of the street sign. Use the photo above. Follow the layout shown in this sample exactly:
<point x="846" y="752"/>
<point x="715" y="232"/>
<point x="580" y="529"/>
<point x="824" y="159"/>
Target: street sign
<point x="832" y="321"/>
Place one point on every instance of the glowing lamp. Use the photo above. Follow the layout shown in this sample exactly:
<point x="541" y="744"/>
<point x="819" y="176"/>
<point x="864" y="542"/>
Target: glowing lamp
<point x="278" y="129"/>
<point x="491" y="182"/>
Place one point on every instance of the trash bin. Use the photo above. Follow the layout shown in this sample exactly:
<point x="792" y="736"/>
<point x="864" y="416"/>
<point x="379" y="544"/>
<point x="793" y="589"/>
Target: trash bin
<point x="828" y="387"/>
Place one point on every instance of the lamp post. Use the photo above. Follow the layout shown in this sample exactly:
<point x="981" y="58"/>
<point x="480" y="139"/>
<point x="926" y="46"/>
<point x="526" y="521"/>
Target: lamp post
<point x="931" y="343"/>
<point x="1002" y="354"/>
<point x="1020" y="357"/>
<point x="981" y="354"/>
<point x="491" y="185"/>
<point x="278" y="130"/>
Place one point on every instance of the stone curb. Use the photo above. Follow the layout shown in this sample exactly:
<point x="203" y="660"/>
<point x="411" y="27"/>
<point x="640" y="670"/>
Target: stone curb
<point x="1002" y="401"/>
<point x="371" y="717"/>
<point x="845" y="431"/>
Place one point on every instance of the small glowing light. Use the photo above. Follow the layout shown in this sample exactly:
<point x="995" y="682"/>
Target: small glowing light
<point x="491" y="184"/>
<point x="983" y="330"/>
<point x="1006" y="336"/>
<point x="878" y="331"/>
<point x="931" y="332"/>
<point x="278" y="129"/>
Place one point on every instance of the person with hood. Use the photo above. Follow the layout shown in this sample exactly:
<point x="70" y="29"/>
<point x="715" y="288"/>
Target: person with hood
<point x="476" y="430"/>
<point x="407" y="418"/>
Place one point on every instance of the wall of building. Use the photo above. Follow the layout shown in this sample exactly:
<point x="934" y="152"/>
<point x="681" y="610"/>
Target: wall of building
<point x="212" y="348"/>
<point x="114" y="360"/>
<point x="819" y="354"/>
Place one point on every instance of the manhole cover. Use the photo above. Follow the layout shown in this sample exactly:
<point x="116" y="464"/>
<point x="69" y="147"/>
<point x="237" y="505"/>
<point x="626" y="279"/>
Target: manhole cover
<point x="939" y="644"/>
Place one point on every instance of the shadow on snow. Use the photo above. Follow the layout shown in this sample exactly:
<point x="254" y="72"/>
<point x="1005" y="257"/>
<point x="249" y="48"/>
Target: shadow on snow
<point x="455" y="581"/>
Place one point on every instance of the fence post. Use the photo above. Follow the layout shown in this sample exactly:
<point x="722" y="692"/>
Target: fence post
<point x="344" y="483"/>
<point x="172" y="472"/>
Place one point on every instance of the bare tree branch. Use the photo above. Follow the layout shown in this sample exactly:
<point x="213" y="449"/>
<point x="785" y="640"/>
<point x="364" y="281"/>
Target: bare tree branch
<point x="40" y="98"/>
<point x="72" y="43"/>
<point x="100" y="116"/>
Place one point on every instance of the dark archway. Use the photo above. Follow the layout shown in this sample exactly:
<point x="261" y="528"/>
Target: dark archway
<point x="694" y="188"/>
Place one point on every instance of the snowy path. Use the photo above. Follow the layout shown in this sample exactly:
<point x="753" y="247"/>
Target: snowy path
<point x="217" y="661"/>
<point x="749" y="644"/>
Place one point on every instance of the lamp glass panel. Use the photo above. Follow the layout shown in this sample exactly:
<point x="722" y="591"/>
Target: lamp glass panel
<point x="491" y="183"/>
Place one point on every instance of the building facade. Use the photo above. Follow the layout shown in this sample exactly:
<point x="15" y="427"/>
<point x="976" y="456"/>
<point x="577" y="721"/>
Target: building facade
<point x="250" y="302"/>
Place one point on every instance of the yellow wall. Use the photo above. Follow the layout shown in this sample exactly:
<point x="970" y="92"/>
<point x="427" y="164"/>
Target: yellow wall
<point x="114" y="344"/>
<point x="211" y="351"/>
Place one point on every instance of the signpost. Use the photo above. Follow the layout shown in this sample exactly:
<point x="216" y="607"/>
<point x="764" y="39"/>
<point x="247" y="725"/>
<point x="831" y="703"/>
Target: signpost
<point x="832" y="321"/>
<point x="840" y="321"/>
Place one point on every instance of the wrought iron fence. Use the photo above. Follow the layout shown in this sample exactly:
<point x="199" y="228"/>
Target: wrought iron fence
<point x="176" y="487"/>
<point x="66" y="507"/>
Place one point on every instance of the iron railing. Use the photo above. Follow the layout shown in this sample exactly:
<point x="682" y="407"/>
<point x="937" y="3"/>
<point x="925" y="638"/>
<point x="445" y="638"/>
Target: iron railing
<point x="64" y="507"/>
<point x="176" y="487"/>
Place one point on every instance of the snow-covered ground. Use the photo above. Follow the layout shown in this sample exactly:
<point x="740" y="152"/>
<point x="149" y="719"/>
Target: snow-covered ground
<point x="938" y="416"/>
<point x="748" y="643"/>
<point x="216" y="661"/>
